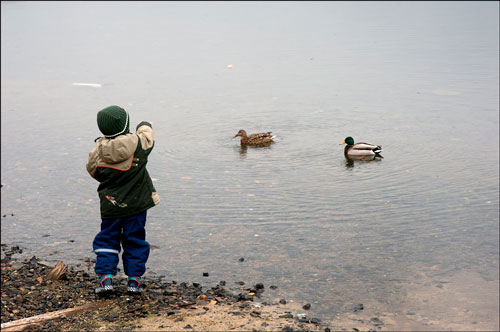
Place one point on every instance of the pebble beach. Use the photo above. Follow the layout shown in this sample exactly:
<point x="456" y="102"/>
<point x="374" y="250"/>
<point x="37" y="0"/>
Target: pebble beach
<point x="28" y="291"/>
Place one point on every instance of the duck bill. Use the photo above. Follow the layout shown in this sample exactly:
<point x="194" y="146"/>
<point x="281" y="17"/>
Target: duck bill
<point x="343" y="142"/>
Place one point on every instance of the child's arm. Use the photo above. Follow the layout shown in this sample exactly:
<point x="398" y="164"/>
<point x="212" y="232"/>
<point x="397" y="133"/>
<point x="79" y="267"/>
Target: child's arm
<point x="92" y="163"/>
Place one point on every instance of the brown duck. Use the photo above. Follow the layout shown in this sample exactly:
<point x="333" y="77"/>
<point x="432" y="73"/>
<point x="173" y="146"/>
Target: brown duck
<point x="255" y="139"/>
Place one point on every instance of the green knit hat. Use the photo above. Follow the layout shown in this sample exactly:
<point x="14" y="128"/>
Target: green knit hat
<point x="113" y="121"/>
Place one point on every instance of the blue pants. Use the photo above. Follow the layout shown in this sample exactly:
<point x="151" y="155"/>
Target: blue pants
<point x="131" y="233"/>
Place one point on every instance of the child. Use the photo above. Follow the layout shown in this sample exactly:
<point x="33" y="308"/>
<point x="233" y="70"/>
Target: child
<point x="126" y="192"/>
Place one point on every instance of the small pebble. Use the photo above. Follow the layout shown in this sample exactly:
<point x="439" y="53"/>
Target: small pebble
<point x="358" y="307"/>
<point x="288" y="315"/>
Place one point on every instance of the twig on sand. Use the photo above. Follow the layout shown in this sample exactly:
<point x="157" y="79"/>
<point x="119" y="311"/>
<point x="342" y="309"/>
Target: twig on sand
<point x="21" y="324"/>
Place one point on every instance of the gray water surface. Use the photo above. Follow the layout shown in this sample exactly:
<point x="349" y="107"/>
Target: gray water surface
<point x="419" y="78"/>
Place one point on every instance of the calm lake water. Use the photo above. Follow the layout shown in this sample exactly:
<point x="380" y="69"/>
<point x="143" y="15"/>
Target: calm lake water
<point x="419" y="78"/>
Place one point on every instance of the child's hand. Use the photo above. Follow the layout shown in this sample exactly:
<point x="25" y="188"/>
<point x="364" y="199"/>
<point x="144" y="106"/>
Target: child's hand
<point x="144" y="123"/>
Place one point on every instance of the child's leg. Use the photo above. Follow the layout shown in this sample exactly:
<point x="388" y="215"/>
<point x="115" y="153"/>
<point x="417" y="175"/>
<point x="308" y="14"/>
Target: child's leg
<point x="107" y="246"/>
<point x="135" y="248"/>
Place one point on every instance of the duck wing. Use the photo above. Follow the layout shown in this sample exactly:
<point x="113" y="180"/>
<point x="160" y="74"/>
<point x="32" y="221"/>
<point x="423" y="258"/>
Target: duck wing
<point x="261" y="135"/>
<point x="363" y="149"/>
<point x="260" y="138"/>
<point x="367" y="146"/>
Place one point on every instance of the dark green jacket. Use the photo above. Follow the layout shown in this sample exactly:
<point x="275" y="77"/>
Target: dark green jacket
<point x="119" y="164"/>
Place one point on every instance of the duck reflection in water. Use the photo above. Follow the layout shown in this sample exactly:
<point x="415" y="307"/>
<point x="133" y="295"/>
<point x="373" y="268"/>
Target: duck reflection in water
<point x="350" y="161"/>
<point x="242" y="149"/>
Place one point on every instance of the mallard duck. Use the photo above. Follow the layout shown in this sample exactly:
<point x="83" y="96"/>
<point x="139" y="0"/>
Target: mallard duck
<point x="361" y="149"/>
<point x="255" y="139"/>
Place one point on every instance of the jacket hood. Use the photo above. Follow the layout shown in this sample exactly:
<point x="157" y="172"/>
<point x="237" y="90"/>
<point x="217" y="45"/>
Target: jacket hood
<point x="117" y="149"/>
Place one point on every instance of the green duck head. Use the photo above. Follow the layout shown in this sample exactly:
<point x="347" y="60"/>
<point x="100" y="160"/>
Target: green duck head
<point x="348" y="140"/>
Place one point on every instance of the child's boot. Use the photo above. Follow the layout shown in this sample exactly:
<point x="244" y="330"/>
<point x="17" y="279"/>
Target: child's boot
<point x="134" y="285"/>
<point x="105" y="284"/>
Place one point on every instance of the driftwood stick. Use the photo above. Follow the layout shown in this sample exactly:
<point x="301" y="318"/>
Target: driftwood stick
<point x="21" y="324"/>
<point x="58" y="271"/>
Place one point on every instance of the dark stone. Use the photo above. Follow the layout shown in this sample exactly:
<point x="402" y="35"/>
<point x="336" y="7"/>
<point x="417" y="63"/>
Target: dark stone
<point x="205" y="274"/>
<point x="255" y="313"/>
<point x="358" y="307"/>
<point x="315" y="321"/>
<point x="375" y="321"/>
<point x="244" y="297"/>
<point x="241" y="259"/>
<point x="287" y="329"/>
<point x="327" y="329"/>
<point x="243" y="305"/>
<point x="273" y="287"/>
<point x="188" y="327"/>
<point x="259" y="286"/>
<point x="283" y="301"/>
<point x="286" y="316"/>
<point x="306" y="306"/>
